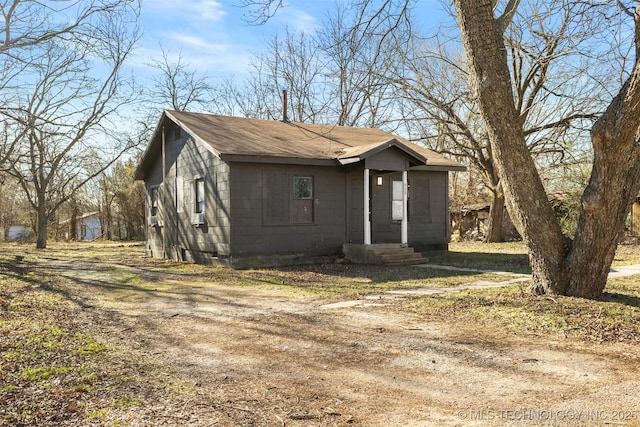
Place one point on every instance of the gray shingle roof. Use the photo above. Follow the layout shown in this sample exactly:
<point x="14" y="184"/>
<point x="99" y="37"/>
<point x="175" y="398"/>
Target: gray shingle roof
<point x="235" y="136"/>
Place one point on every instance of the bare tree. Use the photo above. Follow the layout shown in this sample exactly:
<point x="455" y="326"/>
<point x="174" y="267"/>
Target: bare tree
<point x="122" y="201"/>
<point x="556" y="95"/>
<point x="337" y="75"/>
<point x="63" y="118"/>
<point x="260" y="11"/>
<point x="28" y="24"/>
<point x="579" y="267"/>
<point x="178" y="86"/>
<point x="291" y="62"/>
<point x="359" y="48"/>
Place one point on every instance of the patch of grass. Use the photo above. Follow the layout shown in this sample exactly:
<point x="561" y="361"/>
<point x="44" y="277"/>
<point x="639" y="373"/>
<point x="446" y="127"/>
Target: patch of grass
<point x="99" y="414"/>
<point x="41" y="373"/>
<point x="627" y="254"/>
<point x="348" y="280"/>
<point x="128" y="402"/>
<point x="8" y="388"/>
<point x="93" y="347"/>
<point x="53" y="369"/>
<point x="614" y="318"/>
<point x="509" y="256"/>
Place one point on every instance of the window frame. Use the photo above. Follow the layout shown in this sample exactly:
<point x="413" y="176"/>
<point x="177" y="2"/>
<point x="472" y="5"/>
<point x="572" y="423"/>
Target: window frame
<point x="301" y="204"/>
<point x="395" y="201"/>
<point x="153" y="200"/>
<point x="198" y="198"/>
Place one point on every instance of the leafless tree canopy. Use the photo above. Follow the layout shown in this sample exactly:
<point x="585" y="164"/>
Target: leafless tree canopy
<point x="176" y="85"/>
<point x="64" y="85"/>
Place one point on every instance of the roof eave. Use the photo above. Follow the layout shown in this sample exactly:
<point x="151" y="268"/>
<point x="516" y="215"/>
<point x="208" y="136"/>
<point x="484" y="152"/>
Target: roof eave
<point x="157" y="134"/>
<point x="138" y="175"/>
<point x="440" y="168"/>
<point x="245" y="158"/>
<point x="193" y="134"/>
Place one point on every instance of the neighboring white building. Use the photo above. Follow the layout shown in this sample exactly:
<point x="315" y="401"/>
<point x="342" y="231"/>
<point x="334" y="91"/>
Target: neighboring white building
<point x="90" y="227"/>
<point x="17" y="232"/>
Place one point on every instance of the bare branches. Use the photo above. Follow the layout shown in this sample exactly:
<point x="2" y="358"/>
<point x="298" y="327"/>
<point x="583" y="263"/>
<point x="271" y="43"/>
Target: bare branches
<point x="507" y="16"/>
<point x="260" y="11"/>
<point x="625" y="9"/>
<point x="177" y="86"/>
<point x="60" y="116"/>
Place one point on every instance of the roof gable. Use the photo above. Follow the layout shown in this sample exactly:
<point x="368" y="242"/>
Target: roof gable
<point x="359" y="153"/>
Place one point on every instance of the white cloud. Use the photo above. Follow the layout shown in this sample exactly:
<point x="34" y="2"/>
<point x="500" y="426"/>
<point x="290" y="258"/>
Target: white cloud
<point x="190" y="41"/>
<point x="209" y="10"/>
<point x="213" y="35"/>
<point x="298" y="19"/>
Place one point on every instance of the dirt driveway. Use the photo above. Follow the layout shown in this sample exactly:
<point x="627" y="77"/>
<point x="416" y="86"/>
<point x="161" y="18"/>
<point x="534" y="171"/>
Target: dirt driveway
<point x="269" y="357"/>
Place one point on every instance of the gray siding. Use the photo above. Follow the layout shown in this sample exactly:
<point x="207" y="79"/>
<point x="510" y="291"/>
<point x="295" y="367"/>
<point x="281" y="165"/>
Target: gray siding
<point x="187" y="161"/>
<point x="428" y="229"/>
<point x="259" y="225"/>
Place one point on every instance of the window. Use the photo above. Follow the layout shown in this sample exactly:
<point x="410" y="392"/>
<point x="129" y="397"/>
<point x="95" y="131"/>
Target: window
<point x="199" y="196"/>
<point x="154" y="201"/>
<point x="302" y="204"/>
<point x="397" y="206"/>
<point x="302" y="187"/>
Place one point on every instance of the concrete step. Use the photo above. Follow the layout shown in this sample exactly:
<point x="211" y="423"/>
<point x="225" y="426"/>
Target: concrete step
<point x="400" y="256"/>
<point x="395" y="254"/>
<point x="413" y="261"/>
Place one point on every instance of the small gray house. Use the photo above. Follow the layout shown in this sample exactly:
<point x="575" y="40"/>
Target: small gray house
<point x="245" y="191"/>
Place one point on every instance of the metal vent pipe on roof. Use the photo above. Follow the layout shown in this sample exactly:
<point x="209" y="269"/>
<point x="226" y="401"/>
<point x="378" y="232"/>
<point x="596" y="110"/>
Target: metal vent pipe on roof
<point x="285" y="118"/>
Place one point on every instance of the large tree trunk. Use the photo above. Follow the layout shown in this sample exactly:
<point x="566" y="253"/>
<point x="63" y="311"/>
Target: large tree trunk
<point x="495" y="229"/>
<point x="524" y="193"/>
<point x="580" y="268"/>
<point x="614" y="185"/>
<point x="42" y="226"/>
<point x="73" y="221"/>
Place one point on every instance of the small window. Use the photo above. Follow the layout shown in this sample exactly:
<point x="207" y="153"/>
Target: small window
<point x="154" y="201"/>
<point x="199" y="196"/>
<point x="302" y="187"/>
<point x="177" y="132"/>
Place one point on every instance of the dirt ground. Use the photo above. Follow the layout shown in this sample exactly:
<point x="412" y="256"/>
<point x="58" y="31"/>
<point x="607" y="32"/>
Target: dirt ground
<point x="266" y="357"/>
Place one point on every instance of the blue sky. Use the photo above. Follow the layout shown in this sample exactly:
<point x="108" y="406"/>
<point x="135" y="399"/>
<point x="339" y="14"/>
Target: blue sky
<point x="215" y="38"/>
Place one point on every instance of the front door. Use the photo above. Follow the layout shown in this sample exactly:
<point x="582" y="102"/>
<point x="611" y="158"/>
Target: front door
<point x="384" y="229"/>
